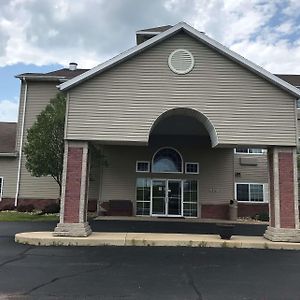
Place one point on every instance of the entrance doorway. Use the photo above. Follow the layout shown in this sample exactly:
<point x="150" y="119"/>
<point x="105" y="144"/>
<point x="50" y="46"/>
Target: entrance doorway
<point x="166" y="197"/>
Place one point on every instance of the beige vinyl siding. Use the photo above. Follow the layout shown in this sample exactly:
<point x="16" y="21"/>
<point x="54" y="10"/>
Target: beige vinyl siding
<point x="255" y="173"/>
<point x="215" y="178"/>
<point x="122" y="103"/>
<point x="38" y="96"/>
<point x="94" y="177"/>
<point x="9" y="165"/>
<point x="8" y="170"/>
<point x="298" y="122"/>
<point x="20" y="115"/>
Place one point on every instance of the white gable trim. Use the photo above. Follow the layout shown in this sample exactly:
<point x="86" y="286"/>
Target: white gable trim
<point x="198" y="35"/>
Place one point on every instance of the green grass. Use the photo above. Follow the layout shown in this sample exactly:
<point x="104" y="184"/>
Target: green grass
<point x="15" y="216"/>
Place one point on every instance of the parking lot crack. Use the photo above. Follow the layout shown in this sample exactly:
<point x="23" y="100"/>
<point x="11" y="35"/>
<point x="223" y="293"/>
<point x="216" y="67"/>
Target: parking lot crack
<point x="19" y="256"/>
<point x="191" y="282"/>
<point x="60" y="278"/>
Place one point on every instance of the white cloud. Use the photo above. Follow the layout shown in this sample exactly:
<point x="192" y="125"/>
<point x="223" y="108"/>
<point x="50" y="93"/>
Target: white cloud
<point x="244" y="27"/>
<point x="8" y="111"/>
<point x="88" y="32"/>
<point x="91" y="31"/>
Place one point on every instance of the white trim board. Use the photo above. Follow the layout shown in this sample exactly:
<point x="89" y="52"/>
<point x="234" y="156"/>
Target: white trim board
<point x="265" y="192"/>
<point x="1" y="187"/>
<point x="196" y="34"/>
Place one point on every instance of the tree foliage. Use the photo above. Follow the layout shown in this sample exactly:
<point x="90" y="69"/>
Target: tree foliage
<point x="44" y="148"/>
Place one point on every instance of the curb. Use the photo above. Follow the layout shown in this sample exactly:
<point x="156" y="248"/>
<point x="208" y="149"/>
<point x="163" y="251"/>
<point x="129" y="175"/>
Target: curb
<point x="153" y="239"/>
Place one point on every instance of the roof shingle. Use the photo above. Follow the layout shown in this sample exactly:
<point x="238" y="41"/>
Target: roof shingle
<point x="65" y="73"/>
<point x="292" y="79"/>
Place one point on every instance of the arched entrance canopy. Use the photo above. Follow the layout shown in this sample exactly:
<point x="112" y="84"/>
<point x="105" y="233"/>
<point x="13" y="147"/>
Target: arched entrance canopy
<point x="189" y="112"/>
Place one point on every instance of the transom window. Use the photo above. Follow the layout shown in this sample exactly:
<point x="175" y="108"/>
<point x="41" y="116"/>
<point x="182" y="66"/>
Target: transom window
<point x="250" y="192"/>
<point x="167" y="160"/>
<point x="249" y="150"/>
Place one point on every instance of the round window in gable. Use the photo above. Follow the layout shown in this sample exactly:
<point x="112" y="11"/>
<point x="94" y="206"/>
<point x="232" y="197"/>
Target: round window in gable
<point x="181" y="61"/>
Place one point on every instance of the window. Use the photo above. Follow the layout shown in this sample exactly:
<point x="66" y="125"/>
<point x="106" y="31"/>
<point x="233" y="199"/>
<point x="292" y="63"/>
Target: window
<point x="143" y="187"/>
<point x="143" y="166"/>
<point x="190" y="198"/>
<point x="191" y="168"/>
<point x="167" y="160"/>
<point x="250" y="192"/>
<point x="249" y="150"/>
<point x="1" y="187"/>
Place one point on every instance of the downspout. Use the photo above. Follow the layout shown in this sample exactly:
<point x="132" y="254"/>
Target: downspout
<point x="21" y="143"/>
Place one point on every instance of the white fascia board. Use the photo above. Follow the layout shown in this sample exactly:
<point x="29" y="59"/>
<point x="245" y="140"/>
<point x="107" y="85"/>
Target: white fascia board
<point x="148" y="32"/>
<point x="43" y="77"/>
<point x="8" y="154"/>
<point x="198" y="35"/>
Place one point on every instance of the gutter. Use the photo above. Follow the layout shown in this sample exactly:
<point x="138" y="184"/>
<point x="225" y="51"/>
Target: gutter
<point x="8" y="154"/>
<point x="21" y="142"/>
<point x="41" y="77"/>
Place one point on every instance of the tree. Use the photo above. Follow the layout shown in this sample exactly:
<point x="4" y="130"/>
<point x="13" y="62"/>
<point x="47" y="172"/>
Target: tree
<point x="44" y="148"/>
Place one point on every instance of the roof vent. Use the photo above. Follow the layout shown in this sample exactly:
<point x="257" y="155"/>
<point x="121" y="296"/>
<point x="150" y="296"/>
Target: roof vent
<point x="181" y="61"/>
<point x="72" y="66"/>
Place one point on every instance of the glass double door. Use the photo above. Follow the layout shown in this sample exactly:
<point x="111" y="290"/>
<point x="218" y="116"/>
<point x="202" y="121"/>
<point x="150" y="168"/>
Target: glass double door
<point x="166" y="197"/>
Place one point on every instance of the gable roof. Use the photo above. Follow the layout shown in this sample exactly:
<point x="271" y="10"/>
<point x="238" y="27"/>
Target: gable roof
<point x="290" y="78"/>
<point x="155" y="29"/>
<point x="8" y="132"/>
<point x="194" y="33"/>
<point x="57" y="75"/>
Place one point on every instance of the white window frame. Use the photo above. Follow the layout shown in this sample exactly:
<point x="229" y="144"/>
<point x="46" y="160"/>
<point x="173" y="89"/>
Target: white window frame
<point x="2" y="184"/>
<point x="167" y="147"/>
<point x="197" y="203"/>
<point x="136" y="201"/>
<point x="265" y="192"/>
<point x="142" y="161"/>
<point x="193" y="163"/>
<point x="264" y="151"/>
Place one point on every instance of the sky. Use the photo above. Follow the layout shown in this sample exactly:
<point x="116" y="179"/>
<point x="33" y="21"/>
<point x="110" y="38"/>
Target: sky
<point x="44" y="35"/>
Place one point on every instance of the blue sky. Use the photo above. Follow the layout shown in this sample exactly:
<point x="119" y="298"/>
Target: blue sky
<point x="41" y="36"/>
<point x="9" y="85"/>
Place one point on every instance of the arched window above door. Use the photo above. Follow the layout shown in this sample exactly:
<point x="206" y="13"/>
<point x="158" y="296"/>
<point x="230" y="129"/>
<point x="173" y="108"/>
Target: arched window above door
<point x="167" y="160"/>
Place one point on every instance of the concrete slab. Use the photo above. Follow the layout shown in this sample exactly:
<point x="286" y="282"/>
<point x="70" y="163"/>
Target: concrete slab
<point x="180" y="220"/>
<point x="46" y="238"/>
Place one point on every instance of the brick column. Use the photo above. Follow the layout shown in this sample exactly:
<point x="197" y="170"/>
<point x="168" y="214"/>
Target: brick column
<point x="283" y="205"/>
<point x="73" y="211"/>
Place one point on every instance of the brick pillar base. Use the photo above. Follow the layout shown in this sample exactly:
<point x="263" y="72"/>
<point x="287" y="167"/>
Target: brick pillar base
<point x="72" y="229"/>
<point x="283" y="206"/>
<point x="73" y="212"/>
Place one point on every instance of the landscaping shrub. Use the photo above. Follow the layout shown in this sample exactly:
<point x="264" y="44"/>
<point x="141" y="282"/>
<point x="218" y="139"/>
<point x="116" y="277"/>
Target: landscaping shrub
<point x="8" y="207"/>
<point x="25" y="208"/>
<point x="263" y="216"/>
<point x="52" y="208"/>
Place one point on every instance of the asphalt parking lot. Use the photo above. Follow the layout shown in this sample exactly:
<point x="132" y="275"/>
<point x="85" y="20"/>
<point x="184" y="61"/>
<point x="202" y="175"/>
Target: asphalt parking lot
<point x="28" y="272"/>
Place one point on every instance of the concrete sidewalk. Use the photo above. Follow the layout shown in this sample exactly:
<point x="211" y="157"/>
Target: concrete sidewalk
<point x="152" y="239"/>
